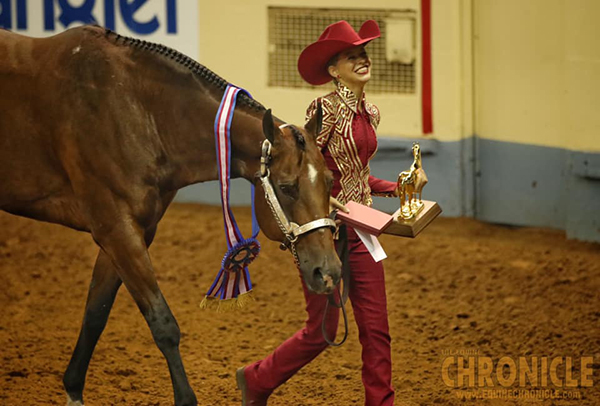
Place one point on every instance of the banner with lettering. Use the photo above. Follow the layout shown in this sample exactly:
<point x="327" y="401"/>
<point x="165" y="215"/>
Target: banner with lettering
<point x="170" y="22"/>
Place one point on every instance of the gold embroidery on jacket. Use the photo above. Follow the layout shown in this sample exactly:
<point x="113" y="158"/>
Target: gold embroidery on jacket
<point x="339" y="108"/>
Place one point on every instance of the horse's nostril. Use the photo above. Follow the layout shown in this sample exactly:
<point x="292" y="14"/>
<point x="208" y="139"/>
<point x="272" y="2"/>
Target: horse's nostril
<point x="317" y="274"/>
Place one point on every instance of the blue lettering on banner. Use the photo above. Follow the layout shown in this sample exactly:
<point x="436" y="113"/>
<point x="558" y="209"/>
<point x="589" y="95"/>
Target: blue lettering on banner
<point x="83" y="13"/>
<point x="128" y="9"/>
<point x="6" y="14"/>
<point x="171" y="16"/>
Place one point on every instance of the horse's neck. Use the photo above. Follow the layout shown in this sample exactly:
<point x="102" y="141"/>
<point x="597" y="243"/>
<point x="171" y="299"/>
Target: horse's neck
<point x="245" y="135"/>
<point x="186" y="127"/>
<point x="417" y="162"/>
<point x="246" y="143"/>
<point x="189" y="139"/>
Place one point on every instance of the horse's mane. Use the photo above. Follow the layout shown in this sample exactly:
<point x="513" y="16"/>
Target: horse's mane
<point x="200" y="70"/>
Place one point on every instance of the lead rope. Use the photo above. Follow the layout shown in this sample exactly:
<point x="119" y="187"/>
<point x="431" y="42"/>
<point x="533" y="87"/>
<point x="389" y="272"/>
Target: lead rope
<point x="342" y="251"/>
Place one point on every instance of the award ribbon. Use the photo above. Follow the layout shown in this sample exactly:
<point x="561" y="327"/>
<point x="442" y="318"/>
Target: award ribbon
<point x="232" y="287"/>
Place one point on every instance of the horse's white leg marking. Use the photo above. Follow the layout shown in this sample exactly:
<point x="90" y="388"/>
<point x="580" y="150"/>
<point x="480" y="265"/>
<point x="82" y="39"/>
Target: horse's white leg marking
<point x="71" y="402"/>
<point x="312" y="174"/>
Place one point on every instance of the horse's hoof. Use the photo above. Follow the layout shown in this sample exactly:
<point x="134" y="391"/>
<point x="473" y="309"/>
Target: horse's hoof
<point x="71" y="402"/>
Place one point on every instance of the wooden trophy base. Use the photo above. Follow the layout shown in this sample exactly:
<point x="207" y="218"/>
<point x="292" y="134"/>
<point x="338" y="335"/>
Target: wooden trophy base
<point x="410" y="228"/>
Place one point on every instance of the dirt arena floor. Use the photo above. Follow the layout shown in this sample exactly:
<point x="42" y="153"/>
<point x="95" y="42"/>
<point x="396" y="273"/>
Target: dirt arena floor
<point x="460" y="288"/>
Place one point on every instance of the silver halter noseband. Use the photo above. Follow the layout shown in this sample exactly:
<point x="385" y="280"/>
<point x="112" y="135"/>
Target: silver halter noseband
<point x="290" y="230"/>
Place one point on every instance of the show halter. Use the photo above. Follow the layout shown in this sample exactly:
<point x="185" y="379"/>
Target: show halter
<point x="232" y="286"/>
<point x="290" y="230"/>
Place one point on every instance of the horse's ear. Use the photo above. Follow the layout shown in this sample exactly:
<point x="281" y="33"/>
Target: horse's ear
<point x="314" y="125"/>
<point x="268" y="126"/>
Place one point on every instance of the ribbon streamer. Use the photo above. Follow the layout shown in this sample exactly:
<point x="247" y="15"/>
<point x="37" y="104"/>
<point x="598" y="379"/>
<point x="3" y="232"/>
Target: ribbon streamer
<point x="232" y="287"/>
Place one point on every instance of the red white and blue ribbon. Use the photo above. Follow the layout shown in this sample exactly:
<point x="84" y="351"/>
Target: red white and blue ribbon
<point x="232" y="285"/>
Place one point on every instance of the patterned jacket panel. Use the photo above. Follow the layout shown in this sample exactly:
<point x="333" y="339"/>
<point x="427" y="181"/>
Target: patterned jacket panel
<point x="339" y="108"/>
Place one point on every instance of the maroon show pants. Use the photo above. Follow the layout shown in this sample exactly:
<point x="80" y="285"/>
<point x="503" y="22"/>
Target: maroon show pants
<point x="367" y="294"/>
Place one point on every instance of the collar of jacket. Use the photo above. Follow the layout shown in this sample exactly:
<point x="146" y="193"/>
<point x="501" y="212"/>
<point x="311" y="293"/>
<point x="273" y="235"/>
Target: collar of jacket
<point x="349" y="98"/>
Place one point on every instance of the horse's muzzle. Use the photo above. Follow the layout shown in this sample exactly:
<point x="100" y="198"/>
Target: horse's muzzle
<point x="323" y="280"/>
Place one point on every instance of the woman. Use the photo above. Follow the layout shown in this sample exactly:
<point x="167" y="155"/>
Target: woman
<point x="347" y="140"/>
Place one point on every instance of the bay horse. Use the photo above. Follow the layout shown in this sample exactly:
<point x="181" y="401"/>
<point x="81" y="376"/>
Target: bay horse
<point x="99" y="131"/>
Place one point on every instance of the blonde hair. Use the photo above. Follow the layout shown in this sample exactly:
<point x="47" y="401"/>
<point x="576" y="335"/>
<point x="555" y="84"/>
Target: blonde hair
<point x="332" y="62"/>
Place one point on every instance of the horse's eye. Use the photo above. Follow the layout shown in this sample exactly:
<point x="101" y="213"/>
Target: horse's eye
<point x="329" y="184"/>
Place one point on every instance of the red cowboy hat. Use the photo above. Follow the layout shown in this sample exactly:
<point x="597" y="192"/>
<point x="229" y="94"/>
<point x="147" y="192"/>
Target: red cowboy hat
<point x="337" y="37"/>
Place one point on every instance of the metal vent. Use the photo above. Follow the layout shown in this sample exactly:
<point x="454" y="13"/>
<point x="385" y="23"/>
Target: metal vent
<point x="292" y="29"/>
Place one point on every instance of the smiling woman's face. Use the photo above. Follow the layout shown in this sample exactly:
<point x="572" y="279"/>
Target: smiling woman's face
<point x="353" y="66"/>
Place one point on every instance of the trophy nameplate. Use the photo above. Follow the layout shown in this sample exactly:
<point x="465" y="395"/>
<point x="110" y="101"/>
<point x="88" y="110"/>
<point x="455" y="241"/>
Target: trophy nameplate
<point x="410" y="228"/>
<point x="414" y="213"/>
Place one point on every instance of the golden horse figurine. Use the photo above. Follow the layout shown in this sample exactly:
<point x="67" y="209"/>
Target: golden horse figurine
<point x="410" y="184"/>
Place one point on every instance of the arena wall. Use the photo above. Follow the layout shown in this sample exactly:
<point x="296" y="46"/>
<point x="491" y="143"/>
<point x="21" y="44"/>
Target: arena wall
<point x="515" y="122"/>
<point x="401" y="123"/>
<point x="536" y="103"/>
<point x="515" y="100"/>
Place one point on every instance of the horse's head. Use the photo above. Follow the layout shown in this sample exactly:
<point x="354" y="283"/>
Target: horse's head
<point x="416" y="151"/>
<point x="295" y="176"/>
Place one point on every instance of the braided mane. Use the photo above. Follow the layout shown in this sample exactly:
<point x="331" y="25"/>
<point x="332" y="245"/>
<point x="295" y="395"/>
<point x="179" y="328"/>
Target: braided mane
<point x="200" y="70"/>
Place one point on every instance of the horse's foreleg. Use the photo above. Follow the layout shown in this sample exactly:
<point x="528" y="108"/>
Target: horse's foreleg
<point x="124" y="243"/>
<point x="402" y="195"/>
<point x="101" y="296"/>
<point x="103" y="289"/>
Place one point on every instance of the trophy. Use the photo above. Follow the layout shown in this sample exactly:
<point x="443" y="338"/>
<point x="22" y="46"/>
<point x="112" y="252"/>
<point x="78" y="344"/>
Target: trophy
<point x="414" y="213"/>
<point x="410" y="185"/>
